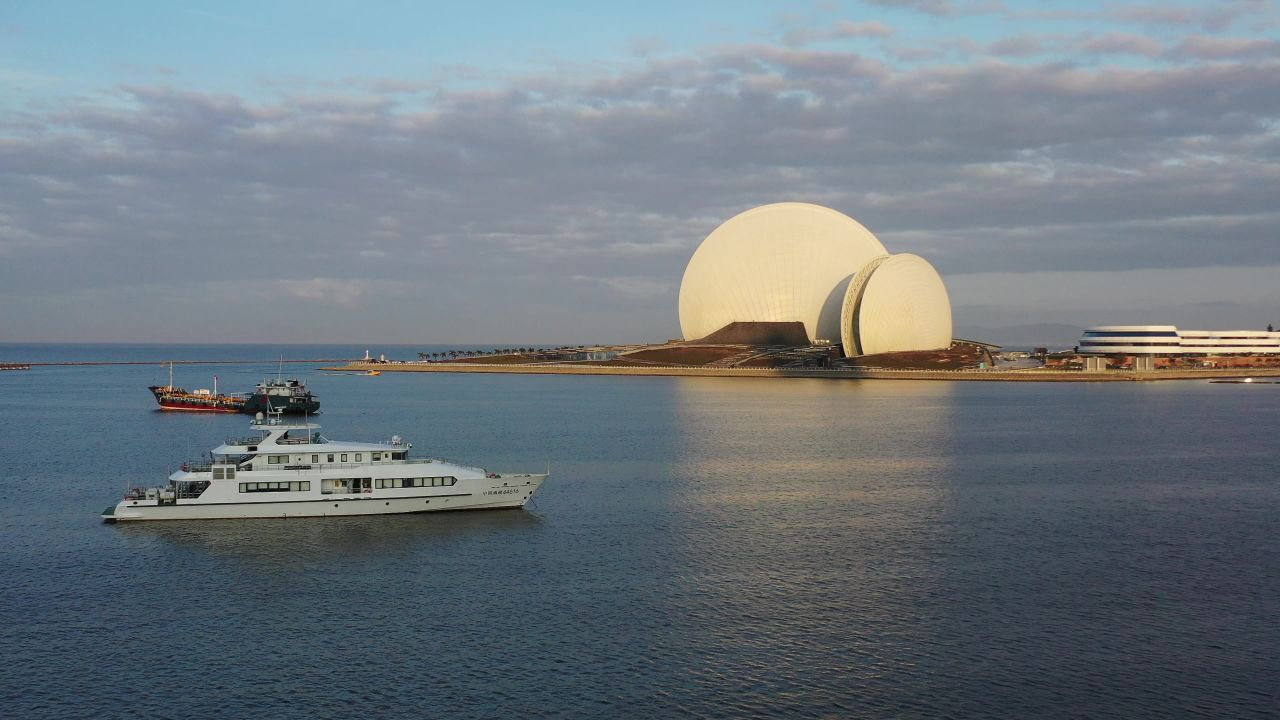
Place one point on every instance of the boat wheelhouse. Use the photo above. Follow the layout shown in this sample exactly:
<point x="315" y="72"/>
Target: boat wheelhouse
<point x="288" y="469"/>
<point x="290" y="397"/>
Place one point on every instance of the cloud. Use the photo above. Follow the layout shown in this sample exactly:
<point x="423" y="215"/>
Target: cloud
<point x="323" y="290"/>
<point x="1118" y="43"/>
<point x="1190" y="49"/>
<point x="572" y="202"/>
<point x="928" y="7"/>
<point x="1019" y="46"/>
<point x="843" y="30"/>
<point x="1213" y="17"/>
<point x="1225" y="48"/>
<point x="631" y="286"/>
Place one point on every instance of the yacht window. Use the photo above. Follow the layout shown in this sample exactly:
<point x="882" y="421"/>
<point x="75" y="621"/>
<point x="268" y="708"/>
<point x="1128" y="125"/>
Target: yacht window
<point x="292" y="486"/>
<point x="217" y="473"/>
<point x="397" y="456"/>
<point x="231" y="473"/>
<point x="359" y="457"/>
<point x="344" y="457"/>
<point x="330" y="457"/>
<point x="277" y="459"/>
<point x="315" y="458"/>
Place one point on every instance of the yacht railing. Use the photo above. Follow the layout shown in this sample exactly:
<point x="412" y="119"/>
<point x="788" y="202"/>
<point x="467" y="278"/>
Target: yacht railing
<point x="188" y="491"/>
<point x="205" y="467"/>
<point x="167" y="494"/>
<point x="240" y="442"/>
<point x="340" y="465"/>
<point x="297" y="441"/>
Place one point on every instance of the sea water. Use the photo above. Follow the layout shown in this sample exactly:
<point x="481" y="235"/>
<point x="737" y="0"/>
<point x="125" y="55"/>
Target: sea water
<point x="705" y="547"/>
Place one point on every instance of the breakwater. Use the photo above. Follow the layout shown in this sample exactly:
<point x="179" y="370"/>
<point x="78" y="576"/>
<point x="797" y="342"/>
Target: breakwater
<point x="178" y="362"/>
<point x="987" y="375"/>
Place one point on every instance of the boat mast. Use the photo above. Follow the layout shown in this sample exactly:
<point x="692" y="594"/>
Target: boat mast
<point x="171" y="375"/>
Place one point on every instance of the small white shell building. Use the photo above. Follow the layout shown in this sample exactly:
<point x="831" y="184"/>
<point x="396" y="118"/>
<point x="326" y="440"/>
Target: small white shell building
<point x="797" y="262"/>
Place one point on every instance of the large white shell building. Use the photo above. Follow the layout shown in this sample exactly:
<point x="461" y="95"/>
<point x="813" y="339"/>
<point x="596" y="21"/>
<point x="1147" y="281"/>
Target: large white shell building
<point x="797" y="262"/>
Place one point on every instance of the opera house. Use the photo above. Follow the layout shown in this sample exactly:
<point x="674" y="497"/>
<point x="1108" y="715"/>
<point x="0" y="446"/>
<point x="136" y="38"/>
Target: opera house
<point x="796" y="269"/>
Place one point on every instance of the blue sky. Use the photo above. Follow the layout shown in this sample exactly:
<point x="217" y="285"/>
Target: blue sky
<point x="344" y="165"/>
<point x="256" y="48"/>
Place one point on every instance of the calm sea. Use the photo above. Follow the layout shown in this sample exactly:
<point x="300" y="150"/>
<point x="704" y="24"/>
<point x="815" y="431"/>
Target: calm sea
<point x="704" y="548"/>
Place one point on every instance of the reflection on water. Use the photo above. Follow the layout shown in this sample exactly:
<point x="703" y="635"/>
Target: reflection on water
<point x="816" y="514"/>
<point x="273" y="544"/>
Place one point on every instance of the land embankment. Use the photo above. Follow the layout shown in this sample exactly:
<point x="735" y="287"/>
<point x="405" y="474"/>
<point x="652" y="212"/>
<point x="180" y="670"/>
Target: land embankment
<point x="985" y="375"/>
<point x="180" y="362"/>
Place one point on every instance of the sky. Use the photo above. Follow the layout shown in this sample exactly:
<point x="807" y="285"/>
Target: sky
<point x="514" y="172"/>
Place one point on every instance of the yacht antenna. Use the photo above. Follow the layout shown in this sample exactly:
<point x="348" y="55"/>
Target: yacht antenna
<point x="280" y="371"/>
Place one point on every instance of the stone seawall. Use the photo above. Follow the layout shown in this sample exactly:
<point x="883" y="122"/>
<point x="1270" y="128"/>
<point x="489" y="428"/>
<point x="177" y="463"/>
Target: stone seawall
<point x="1036" y="375"/>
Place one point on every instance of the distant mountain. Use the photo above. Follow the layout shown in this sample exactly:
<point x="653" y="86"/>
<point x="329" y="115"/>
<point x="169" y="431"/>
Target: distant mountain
<point x="1051" y="335"/>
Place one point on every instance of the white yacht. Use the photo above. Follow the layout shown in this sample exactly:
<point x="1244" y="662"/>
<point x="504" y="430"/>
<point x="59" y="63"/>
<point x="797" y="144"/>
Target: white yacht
<point x="290" y="470"/>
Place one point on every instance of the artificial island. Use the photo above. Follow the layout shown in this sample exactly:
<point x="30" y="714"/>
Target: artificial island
<point x="800" y="290"/>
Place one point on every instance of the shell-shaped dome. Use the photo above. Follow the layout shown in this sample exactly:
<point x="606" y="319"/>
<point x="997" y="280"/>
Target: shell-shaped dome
<point x="849" y="308"/>
<point x="898" y="304"/>
<point x="784" y="262"/>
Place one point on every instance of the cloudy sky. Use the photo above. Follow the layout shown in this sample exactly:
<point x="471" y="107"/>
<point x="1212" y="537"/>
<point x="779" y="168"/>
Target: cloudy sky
<point x="508" y="172"/>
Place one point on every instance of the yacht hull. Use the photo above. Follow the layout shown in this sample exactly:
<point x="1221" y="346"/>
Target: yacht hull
<point x="512" y="492"/>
